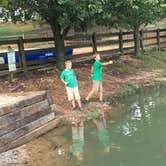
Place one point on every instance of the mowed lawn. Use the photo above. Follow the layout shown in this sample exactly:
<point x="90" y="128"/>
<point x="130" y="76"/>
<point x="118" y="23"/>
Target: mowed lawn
<point x="12" y="30"/>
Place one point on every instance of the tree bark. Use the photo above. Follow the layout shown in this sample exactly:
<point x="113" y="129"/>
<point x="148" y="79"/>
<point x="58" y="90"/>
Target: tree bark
<point x="137" y="51"/>
<point x="59" y="45"/>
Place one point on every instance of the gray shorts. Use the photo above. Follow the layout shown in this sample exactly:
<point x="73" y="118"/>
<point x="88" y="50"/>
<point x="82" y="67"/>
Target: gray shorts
<point x="97" y="86"/>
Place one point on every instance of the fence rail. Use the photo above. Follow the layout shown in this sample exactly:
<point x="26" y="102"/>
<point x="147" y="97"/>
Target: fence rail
<point x="117" y="43"/>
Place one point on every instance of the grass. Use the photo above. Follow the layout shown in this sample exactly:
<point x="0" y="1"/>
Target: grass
<point x="126" y="90"/>
<point x="28" y="30"/>
<point x="154" y="60"/>
<point x="151" y="60"/>
<point x="15" y="29"/>
<point x="123" y="67"/>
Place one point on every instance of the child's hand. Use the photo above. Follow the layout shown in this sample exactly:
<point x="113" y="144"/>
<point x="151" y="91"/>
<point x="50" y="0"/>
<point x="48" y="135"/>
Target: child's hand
<point x="66" y="83"/>
<point x="110" y="62"/>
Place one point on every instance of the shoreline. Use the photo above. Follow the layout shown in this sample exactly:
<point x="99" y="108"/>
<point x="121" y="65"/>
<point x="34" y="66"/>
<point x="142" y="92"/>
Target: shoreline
<point x="114" y="82"/>
<point x="125" y="75"/>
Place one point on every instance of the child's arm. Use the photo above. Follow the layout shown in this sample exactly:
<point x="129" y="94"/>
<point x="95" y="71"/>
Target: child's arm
<point x="92" y="70"/>
<point x="64" y="82"/>
<point x="62" y="77"/>
<point x="107" y="63"/>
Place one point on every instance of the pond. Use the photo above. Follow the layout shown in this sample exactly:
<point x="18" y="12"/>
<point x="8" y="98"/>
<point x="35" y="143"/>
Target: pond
<point x="137" y="137"/>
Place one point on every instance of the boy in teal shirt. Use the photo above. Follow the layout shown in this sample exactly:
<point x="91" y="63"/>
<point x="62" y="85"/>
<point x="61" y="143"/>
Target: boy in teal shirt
<point x="68" y="77"/>
<point x="96" y="72"/>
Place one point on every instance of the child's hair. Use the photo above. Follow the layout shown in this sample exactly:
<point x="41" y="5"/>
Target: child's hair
<point x="95" y="54"/>
<point x="67" y="62"/>
<point x="9" y="47"/>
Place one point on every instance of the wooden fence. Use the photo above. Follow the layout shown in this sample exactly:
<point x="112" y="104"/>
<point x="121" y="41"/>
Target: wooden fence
<point x="83" y="45"/>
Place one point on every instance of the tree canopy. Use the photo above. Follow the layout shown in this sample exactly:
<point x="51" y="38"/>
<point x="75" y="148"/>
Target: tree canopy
<point x="131" y="14"/>
<point x="63" y="15"/>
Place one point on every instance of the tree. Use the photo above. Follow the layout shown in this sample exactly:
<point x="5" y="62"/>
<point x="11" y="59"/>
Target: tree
<point x="61" y="15"/>
<point x="131" y="14"/>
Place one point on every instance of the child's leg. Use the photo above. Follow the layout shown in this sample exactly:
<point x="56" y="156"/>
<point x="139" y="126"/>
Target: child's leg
<point x="77" y="96"/>
<point x="90" y="94"/>
<point x="101" y="91"/>
<point x="101" y="95"/>
<point x="79" y="103"/>
<point x="94" y="89"/>
<point x="73" y="103"/>
<point x="70" y="95"/>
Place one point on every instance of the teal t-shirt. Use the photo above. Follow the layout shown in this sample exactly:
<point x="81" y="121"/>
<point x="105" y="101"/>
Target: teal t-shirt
<point x="69" y="77"/>
<point x="103" y="136"/>
<point x="97" y="68"/>
<point x="77" y="147"/>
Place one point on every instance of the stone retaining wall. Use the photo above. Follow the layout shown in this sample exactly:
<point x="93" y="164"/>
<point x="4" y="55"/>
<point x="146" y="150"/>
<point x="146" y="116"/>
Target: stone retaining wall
<point x="21" y="114"/>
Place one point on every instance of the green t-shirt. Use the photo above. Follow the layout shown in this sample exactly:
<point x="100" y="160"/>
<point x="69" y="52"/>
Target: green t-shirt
<point x="77" y="147"/>
<point x="103" y="136"/>
<point x="69" y="77"/>
<point x="97" y="68"/>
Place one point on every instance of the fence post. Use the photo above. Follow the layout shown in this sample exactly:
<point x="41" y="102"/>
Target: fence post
<point x="121" y="42"/>
<point x="94" y="45"/>
<point x="158" y="38"/>
<point x="142" y="40"/>
<point x="22" y="54"/>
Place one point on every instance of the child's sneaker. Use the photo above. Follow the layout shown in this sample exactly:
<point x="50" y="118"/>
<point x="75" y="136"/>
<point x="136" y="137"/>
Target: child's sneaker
<point x="80" y="108"/>
<point x="101" y="102"/>
<point x="85" y="101"/>
<point x="74" y="108"/>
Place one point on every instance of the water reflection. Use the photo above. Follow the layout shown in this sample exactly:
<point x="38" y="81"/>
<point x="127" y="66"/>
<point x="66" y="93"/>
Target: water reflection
<point x="77" y="147"/>
<point x="141" y="109"/>
<point x="136" y="138"/>
<point x="102" y="132"/>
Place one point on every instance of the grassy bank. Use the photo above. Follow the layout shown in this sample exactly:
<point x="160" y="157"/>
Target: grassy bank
<point x="150" y="61"/>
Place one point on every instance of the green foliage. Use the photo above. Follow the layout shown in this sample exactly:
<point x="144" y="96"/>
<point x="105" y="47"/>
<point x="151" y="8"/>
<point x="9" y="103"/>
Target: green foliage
<point x="127" y="89"/>
<point x="130" y="13"/>
<point x="142" y="57"/>
<point x="3" y="3"/>
<point x="93" y="114"/>
<point x="61" y="15"/>
<point x="65" y="13"/>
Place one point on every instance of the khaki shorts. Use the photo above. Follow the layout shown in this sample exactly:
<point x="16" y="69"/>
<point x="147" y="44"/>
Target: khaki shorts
<point x="97" y="86"/>
<point x="73" y="93"/>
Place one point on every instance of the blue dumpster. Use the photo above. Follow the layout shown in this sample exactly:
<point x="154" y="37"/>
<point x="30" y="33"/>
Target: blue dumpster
<point x="42" y="56"/>
<point x="43" y="60"/>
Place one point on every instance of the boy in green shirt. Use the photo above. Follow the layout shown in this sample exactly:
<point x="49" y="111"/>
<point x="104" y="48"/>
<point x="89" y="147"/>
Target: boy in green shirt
<point x="68" y="77"/>
<point x="96" y="72"/>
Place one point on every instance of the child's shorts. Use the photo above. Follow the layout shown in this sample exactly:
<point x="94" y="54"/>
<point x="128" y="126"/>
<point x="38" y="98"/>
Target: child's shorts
<point x="97" y="86"/>
<point x="73" y="93"/>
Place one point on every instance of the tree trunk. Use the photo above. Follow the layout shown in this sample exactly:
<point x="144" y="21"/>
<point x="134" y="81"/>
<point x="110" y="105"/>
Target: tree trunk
<point x="59" y="46"/>
<point x="137" y="51"/>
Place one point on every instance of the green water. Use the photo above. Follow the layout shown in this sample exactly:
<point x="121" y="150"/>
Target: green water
<point x="137" y="137"/>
